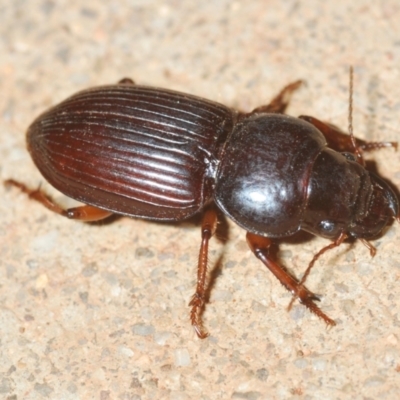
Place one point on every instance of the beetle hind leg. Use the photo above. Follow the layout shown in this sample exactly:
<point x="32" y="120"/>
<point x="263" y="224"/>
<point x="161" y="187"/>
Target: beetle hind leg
<point x="208" y="228"/>
<point x="259" y="245"/>
<point x="83" y="213"/>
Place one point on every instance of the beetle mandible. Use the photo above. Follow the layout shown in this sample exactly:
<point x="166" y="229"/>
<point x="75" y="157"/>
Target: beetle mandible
<point x="164" y="155"/>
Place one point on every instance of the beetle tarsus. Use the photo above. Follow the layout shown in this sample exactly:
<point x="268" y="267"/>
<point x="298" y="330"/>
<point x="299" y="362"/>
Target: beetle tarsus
<point x="197" y="304"/>
<point x="82" y="213"/>
<point x="318" y="312"/>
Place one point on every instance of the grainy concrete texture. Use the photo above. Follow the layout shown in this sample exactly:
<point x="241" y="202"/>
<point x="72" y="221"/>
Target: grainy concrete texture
<point x="101" y="311"/>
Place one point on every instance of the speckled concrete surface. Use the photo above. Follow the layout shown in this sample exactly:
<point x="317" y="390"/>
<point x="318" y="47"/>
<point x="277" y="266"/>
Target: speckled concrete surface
<point x="100" y="311"/>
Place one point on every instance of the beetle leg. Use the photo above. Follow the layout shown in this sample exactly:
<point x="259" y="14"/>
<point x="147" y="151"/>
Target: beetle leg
<point x="369" y="246"/>
<point x="83" y="213"/>
<point x="280" y="102"/>
<point x="126" y="81"/>
<point x="208" y="228"/>
<point x="259" y="245"/>
<point x="341" y="238"/>
<point x="340" y="141"/>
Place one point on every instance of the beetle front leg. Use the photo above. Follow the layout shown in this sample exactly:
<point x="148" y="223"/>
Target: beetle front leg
<point x="259" y="245"/>
<point x="208" y="228"/>
<point x="341" y="141"/>
<point x="82" y="213"/>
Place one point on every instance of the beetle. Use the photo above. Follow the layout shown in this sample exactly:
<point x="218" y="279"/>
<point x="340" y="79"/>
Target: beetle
<point x="163" y="155"/>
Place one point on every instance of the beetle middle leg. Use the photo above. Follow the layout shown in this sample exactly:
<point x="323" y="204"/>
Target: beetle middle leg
<point x="208" y="228"/>
<point x="83" y="213"/>
<point x="259" y="245"/>
<point x="280" y="102"/>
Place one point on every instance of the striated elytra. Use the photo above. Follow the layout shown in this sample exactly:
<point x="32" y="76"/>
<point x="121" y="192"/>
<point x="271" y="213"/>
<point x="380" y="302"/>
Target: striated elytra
<point x="163" y="155"/>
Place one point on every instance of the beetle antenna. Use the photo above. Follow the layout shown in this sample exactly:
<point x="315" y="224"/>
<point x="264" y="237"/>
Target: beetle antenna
<point x="350" y="118"/>
<point x="352" y="138"/>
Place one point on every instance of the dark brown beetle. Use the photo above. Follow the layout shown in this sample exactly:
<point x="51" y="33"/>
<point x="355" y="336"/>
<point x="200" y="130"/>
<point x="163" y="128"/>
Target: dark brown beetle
<point x="163" y="155"/>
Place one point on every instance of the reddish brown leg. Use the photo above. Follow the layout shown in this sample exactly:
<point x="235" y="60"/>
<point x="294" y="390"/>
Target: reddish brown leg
<point x="340" y="141"/>
<point x="82" y="213"/>
<point x="208" y="227"/>
<point x="259" y="246"/>
<point x="342" y="237"/>
<point x="369" y="246"/>
<point x="280" y="102"/>
<point x="126" y="81"/>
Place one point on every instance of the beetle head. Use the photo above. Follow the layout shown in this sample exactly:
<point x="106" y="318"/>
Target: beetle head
<point x="343" y="197"/>
<point x="377" y="211"/>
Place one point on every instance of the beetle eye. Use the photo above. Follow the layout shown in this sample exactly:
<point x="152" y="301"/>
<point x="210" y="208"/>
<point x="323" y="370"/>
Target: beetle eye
<point x="349" y="156"/>
<point x="327" y="226"/>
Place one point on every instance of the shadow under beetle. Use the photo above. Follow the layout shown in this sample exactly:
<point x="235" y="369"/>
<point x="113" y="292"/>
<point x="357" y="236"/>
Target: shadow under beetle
<point x="163" y="155"/>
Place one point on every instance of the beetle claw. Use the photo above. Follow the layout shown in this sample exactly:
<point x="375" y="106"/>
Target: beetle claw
<point x="314" y="297"/>
<point x="307" y="298"/>
<point x="197" y="304"/>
